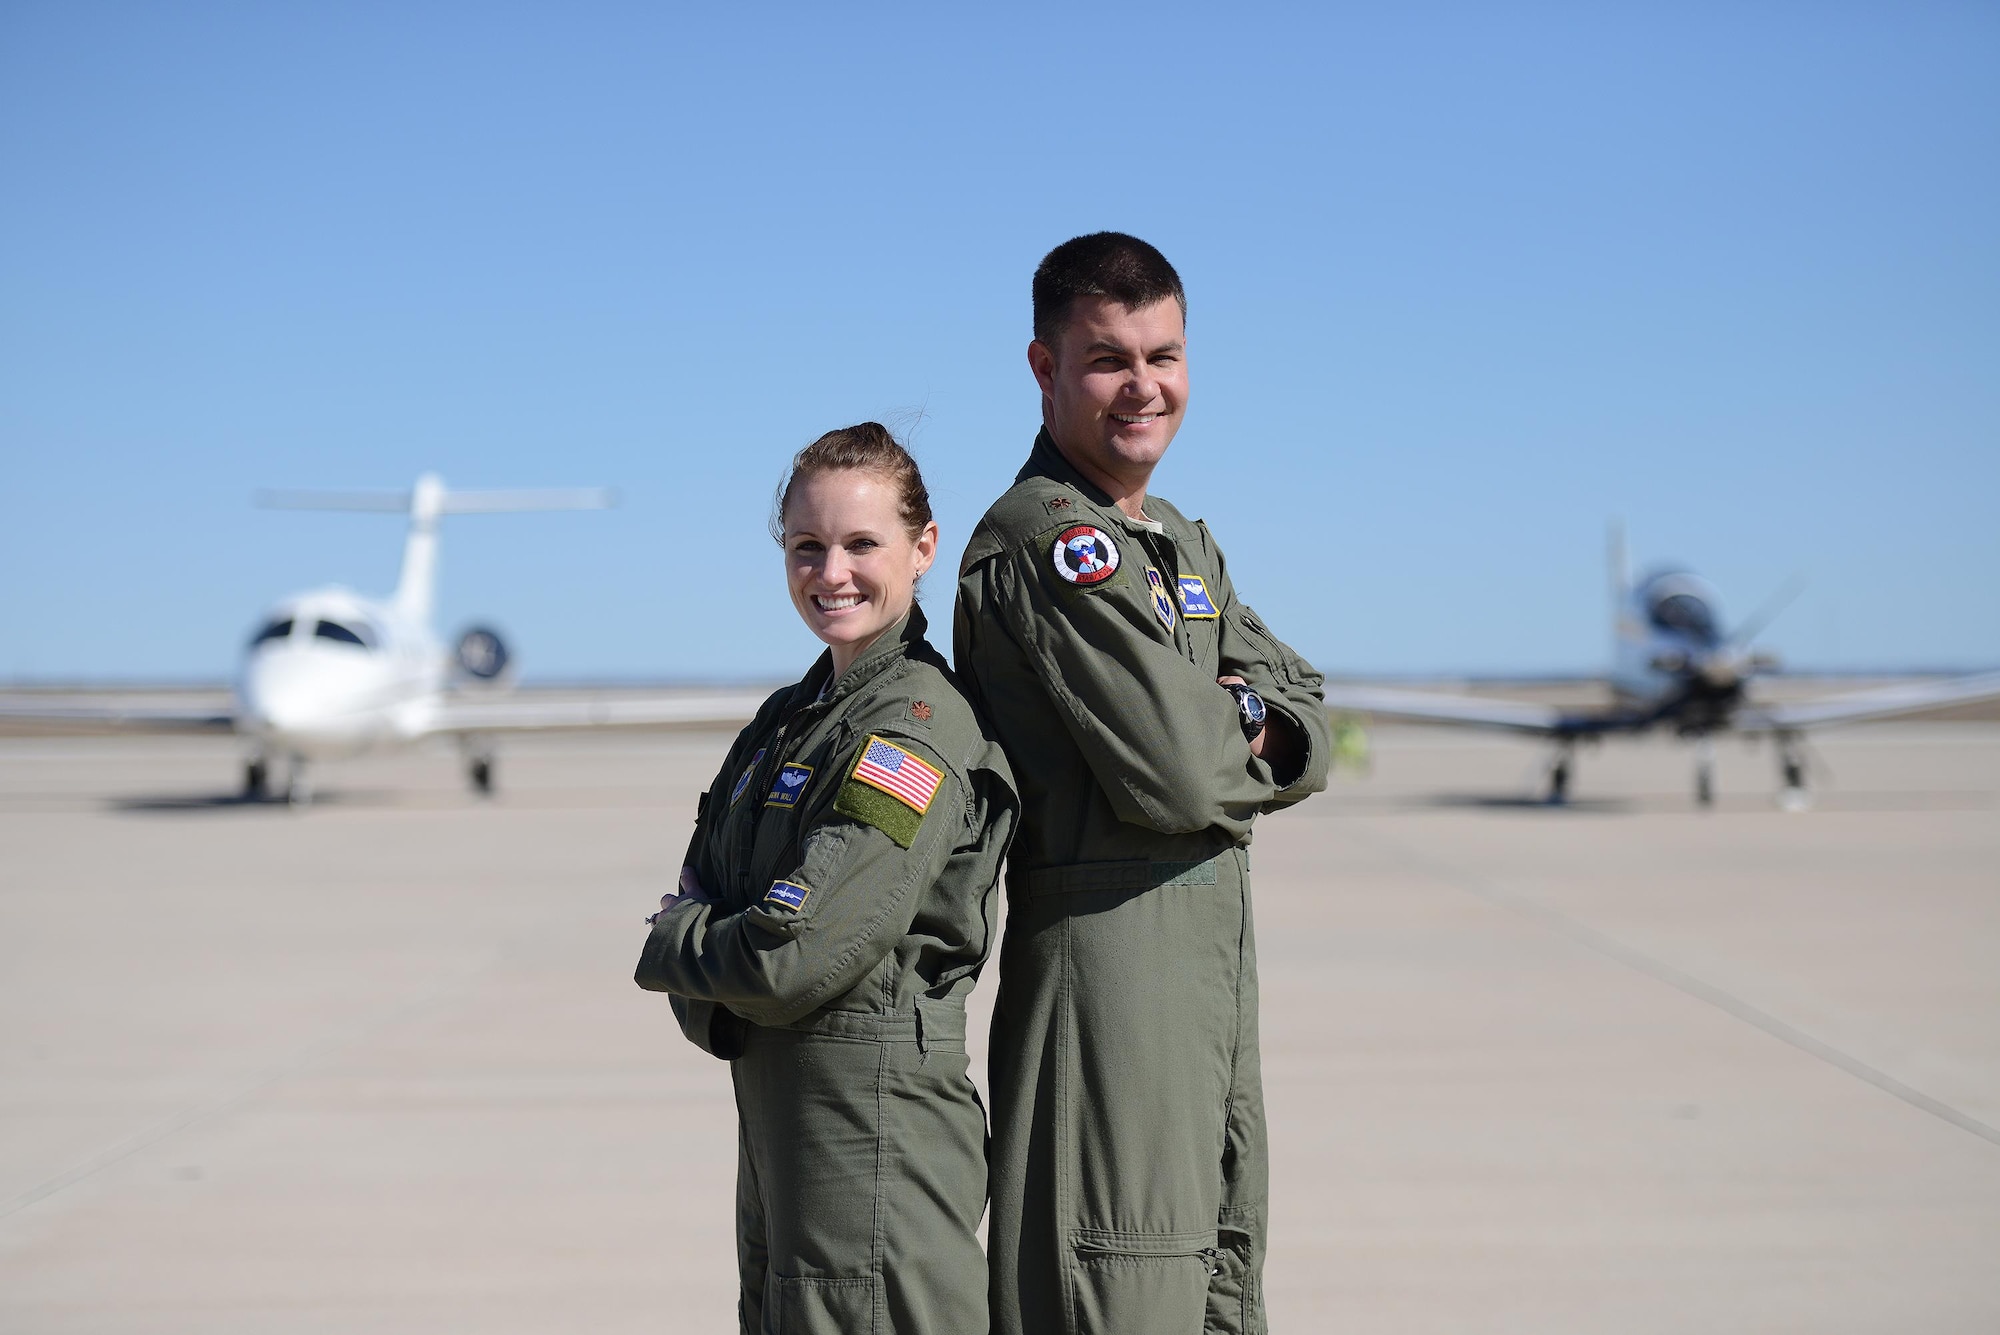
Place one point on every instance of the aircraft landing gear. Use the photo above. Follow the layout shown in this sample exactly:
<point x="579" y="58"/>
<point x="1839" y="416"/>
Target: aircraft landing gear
<point x="479" y="767"/>
<point x="1704" y="771"/>
<point x="298" y="784"/>
<point x="1792" y="795"/>
<point x="256" y="780"/>
<point x="1559" y="775"/>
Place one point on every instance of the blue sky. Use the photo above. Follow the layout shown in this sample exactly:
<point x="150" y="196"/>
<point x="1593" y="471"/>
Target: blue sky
<point x="1467" y="281"/>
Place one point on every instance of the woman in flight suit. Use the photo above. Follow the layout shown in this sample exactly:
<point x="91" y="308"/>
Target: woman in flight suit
<point x="835" y="906"/>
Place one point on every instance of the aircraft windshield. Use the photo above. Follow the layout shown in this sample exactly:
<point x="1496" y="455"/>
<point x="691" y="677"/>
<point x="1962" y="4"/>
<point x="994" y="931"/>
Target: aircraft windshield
<point x="1685" y="614"/>
<point x="276" y="630"/>
<point x="333" y="630"/>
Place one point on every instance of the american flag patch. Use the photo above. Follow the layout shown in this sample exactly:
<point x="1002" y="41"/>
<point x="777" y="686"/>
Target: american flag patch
<point x="898" y="773"/>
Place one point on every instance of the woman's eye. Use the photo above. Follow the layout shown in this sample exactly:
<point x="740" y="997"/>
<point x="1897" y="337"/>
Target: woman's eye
<point x="862" y="545"/>
<point x="806" y="549"/>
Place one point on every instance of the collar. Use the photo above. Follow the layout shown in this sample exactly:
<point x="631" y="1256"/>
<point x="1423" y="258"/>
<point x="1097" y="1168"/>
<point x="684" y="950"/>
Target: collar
<point x="890" y="648"/>
<point x="1046" y="461"/>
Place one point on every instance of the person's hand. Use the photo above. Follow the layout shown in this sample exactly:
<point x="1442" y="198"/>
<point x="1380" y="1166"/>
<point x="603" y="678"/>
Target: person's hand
<point x="690" y="890"/>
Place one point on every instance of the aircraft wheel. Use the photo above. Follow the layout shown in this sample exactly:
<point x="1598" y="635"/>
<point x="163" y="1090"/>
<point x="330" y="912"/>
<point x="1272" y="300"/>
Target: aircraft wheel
<point x="256" y="781"/>
<point x="1793" y="796"/>
<point x="1704" y="789"/>
<point x="480" y="771"/>
<point x="1559" y="784"/>
<point x="298" y="786"/>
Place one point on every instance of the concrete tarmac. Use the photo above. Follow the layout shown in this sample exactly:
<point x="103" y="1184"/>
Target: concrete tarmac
<point x="1622" y="1067"/>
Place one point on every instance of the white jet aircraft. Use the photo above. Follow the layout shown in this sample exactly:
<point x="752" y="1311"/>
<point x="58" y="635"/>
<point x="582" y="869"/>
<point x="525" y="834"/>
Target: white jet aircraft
<point x="332" y="674"/>
<point x="1673" y="667"/>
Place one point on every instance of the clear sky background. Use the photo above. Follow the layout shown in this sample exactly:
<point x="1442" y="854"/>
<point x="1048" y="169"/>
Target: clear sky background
<point x="1467" y="281"/>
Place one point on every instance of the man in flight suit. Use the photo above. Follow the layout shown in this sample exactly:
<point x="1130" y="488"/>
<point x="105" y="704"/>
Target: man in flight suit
<point x="1149" y="717"/>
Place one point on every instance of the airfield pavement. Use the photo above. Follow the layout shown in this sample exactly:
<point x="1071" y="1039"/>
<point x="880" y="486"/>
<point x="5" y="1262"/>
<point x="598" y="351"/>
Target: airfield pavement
<point x="1622" y="1067"/>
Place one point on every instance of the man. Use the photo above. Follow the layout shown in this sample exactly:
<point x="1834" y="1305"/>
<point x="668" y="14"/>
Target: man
<point x="1149" y="716"/>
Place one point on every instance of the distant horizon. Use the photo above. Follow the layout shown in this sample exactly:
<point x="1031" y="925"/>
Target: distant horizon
<point x="638" y="683"/>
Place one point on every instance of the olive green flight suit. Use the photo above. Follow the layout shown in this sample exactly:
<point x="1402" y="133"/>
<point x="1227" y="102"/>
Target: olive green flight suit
<point x="1129" y="1163"/>
<point x="832" y="974"/>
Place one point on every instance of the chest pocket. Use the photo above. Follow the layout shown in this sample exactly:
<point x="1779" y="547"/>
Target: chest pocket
<point x="778" y="806"/>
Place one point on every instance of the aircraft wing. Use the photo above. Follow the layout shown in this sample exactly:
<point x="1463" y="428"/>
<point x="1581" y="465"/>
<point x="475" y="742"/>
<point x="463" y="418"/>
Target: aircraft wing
<point x="598" y="710"/>
<point x="1434" y="707"/>
<point x="1881" y="702"/>
<point x="94" y="713"/>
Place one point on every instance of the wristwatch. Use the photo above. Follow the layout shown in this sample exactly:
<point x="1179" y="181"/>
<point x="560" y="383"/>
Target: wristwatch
<point x="1250" y="709"/>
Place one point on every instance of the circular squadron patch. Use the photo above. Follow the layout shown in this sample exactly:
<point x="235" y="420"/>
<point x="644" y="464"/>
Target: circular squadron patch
<point x="1085" y="555"/>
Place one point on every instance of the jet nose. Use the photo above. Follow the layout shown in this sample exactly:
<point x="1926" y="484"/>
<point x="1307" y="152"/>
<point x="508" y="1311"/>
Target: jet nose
<point x="283" y="691"/>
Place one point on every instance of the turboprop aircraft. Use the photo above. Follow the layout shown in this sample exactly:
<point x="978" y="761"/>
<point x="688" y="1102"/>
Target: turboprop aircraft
<point x="330" y="673"/>
<point x="1674" y="666"/>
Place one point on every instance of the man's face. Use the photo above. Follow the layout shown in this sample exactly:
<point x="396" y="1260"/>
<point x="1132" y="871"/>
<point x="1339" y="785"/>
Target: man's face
<point x="1114" y="385"/>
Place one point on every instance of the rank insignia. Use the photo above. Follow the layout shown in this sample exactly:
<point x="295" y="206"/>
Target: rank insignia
<point x="1056" y="503"/>
<point x="921" y="711"/>
<point x="1195" y="602"/>
<point x="744" y="781"/>
<point x="1163" y="606"/>
<point x="789" y="894"/>
<point x="890" y="788"/>
<point x="789" y="786"/>
<point x="1085" y="555"/>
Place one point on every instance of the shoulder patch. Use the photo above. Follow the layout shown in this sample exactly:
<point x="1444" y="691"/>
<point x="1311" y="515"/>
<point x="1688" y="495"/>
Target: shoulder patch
<point x="1195" y="602"/>
<point x="890" y="788"/>
<point x="789" y="786"/>
<point x="921" y="711"/>
<point x="787" y="894"/>
<point x="1056" y="503"/>
<point x="1085" y="555"/>
<point x="743" y="780"/>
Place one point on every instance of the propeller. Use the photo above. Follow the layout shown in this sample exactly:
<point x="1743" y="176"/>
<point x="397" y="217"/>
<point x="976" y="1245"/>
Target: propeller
<point x="1760" y="620"/>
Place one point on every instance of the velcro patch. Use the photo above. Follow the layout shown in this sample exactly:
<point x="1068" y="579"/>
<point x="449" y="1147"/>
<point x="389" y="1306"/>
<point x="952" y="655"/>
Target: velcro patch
<point x="789" y="894"/>
<point x="789" y="786"/>
<point x="1163" y="606"/>
<point x="1085" y="555"/>
<point x="744" y="781"/>
<point x="1196" y="605"/>
<point x="890" y="788"/>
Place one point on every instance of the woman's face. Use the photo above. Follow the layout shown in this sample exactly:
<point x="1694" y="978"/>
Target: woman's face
<point x="851" y="565"/>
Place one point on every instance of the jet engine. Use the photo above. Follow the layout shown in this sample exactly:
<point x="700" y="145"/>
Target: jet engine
<point x="481" y="656"/>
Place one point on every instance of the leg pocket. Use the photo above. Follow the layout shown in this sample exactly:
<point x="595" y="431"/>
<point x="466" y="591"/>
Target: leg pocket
<point x="810" y="1306"/>
<point x="1127" y="1283"/>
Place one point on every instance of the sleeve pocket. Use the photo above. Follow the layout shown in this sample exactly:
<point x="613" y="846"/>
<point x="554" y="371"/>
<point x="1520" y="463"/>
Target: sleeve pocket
<point x="813" y="1306"/>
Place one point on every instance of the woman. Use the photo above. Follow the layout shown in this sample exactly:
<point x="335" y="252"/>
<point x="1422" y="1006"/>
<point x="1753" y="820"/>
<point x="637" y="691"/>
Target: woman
<point x="834" y="910"/>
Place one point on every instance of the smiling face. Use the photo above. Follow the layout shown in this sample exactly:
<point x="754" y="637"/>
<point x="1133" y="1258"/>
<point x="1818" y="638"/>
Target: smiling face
<point x="1114" y="387"/>
<point x="849" y="559"/>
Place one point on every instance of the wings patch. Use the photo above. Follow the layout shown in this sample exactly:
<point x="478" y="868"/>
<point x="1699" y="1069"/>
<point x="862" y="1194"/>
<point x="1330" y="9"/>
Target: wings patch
<point x="1195" y="602"/>
<point x="789" y="786"/>
<point x="890" y="788"/>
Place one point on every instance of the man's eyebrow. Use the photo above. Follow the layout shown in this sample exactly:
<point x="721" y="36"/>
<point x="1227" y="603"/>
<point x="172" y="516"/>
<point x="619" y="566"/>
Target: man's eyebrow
<point x="1122" y="351"/>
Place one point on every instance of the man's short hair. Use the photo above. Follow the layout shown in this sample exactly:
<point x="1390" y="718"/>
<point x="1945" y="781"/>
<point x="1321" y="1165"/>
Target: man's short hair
<point x="1102" y="264"/>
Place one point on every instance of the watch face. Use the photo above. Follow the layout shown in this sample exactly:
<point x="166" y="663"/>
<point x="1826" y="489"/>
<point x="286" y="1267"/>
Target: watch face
<point x="1253" y="706"/>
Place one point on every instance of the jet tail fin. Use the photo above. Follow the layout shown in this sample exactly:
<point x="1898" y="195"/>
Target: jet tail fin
<point x="425" y="503"/>
<point x="1618" y="564"/>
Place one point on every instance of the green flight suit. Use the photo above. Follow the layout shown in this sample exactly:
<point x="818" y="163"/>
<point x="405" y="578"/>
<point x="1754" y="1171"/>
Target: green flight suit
<point x="854" y="910"/>
<point x="1129" y="1163"/>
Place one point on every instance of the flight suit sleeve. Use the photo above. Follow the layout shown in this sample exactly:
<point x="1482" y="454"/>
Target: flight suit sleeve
<point x="866" y="859"/>
<point x="1161" y="738"/>
<point x="1287" y="683"/>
